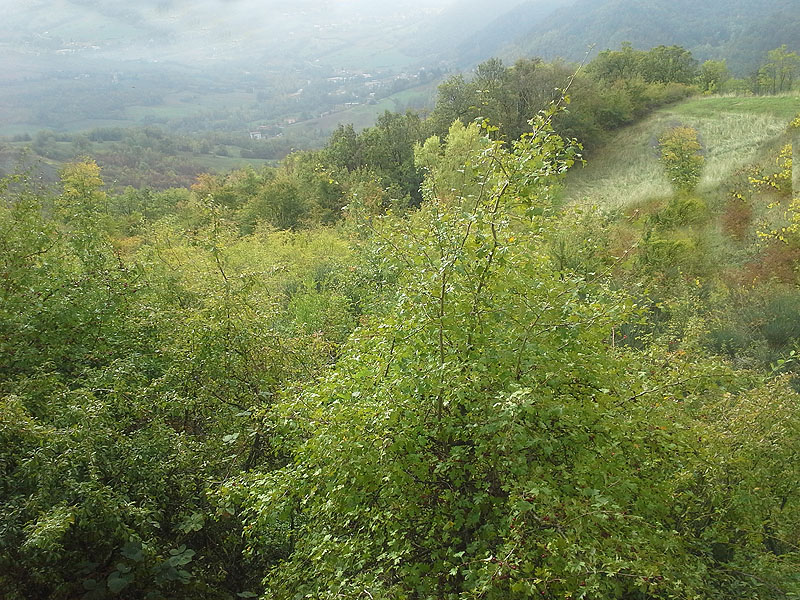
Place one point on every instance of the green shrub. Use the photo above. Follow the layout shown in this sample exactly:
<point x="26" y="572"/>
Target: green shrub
<point x="681" y="210"/>
<point x="681" y="157"/>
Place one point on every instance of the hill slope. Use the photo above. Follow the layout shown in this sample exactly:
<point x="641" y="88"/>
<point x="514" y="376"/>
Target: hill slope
<point x="470" y="31"/>
<point x="734" y="132"/>
<point x="740" y="31"/>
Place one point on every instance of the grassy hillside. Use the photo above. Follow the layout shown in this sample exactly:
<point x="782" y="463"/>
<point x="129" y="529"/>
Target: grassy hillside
<point x="724" y="254"/>
<point x="734" y="132"/>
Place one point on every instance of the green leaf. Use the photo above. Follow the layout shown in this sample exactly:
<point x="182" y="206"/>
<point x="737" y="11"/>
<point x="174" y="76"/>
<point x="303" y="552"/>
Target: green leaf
<point x="118" y="581"/>
<point x="90" y="584"/>
<point x="230" y="439"/>
<point x="193" y="522"/>
<point x="133" y="551"/>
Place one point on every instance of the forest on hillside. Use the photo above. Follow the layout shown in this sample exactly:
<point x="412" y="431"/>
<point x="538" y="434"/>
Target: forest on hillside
<point x="408" y="365"/>
<point x="740" y="32"/>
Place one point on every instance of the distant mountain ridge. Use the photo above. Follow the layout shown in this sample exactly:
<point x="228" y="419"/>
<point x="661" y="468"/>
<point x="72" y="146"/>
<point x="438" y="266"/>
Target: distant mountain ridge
<point x="459" y="32"/>
<point x="741" y="31"/>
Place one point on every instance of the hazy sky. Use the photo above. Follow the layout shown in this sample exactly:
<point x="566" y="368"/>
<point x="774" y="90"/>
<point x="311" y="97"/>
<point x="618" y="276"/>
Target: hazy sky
<point x="193" y="31"/>
<point x="222" y="8"/>
<point x="84" y="20"/>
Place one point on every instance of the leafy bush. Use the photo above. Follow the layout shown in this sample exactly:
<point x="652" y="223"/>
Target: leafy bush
<point x="680" y="155"/>
<point x="680" y="211"/>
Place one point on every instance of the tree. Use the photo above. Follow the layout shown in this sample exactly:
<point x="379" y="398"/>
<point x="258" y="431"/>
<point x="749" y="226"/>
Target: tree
<point x="456" y="101"/>
<point x="662" y="64"/>
<point x="279" y="203"/>
<point x="494" y="92"/>
<point x="613" y="65"/>
<point x="778" y="74"/>
<point x="449" y="167"/>
<point x="344" y="150"/>
<point x="668" y="64"/>
<point x="713" y="75"/>
<point x="83" y="195"/>
<point x="386" y="149"/>
<point x="681" y="157"/>
<point x="389" y="151"/>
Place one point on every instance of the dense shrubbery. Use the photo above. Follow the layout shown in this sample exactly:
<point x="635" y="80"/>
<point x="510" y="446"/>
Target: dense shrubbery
<point x="485" y="438"/>
<point x="314" y="187"/>
<point x="128" y="385"/>
<point x="603" y="99"/>
<point x="326" y="380"/>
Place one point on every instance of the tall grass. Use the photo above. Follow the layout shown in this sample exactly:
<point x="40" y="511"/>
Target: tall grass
<point x="733" y="132"/>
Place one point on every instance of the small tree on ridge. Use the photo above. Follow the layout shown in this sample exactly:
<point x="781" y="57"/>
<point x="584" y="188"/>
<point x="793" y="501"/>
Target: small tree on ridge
<point x="681" y="157"/>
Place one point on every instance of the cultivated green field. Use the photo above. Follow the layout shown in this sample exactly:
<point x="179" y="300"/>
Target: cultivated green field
<point x="734" y="132"/>
<point x="365" y="115"/>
